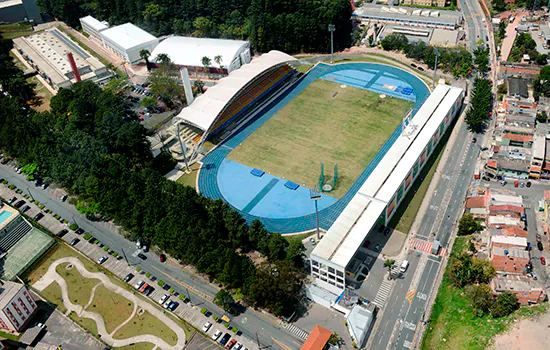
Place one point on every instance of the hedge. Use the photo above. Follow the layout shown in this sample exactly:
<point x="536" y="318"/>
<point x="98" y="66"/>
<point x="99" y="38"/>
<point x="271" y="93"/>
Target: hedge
<point x="227" y="325"/>
<point x="181" y="297"/>
<point x="148" y="274"/>
<point x="171" y="290"/>
<point x="106" y="248"/>
<point x="234" y="329"/>
<point x="216" y="318"/>
<point x="41" y="206"/>
<point x="73" y="227"/>
<point x="161" y="283"/>
<point x="19" y="191"/>
<point x="115" y="254"/>
<point x="55" y="216"/>
<point x="203" y="310"/>
<point x="11" y="187"/>
<point x="5" y="182"/>
<point x="27" y="196"/>
<point x="138" y="269"/>
<point x="87" y="236"/>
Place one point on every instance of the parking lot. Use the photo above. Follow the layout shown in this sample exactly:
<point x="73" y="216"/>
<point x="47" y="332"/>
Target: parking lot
<point x="149" y="118"/>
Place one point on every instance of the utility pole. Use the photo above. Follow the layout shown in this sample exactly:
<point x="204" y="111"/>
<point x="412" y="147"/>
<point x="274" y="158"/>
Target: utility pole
<point x="30" y="194"/>
<point x="125" y="258"/>
<point x="315" y="196"/>
<point x="435" y="66"/>
<point x="189" y="296"/>
<point x="331" y="28"/>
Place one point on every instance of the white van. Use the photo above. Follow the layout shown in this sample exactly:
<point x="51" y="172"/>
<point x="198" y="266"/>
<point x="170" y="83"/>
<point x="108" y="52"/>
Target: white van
<point x="404" y="266"/>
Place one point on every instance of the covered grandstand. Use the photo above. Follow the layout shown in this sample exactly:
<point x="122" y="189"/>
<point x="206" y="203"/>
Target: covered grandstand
<point x="382" y="192"/>
<point x="189" y="52"/>
<point x="235" y="94"/>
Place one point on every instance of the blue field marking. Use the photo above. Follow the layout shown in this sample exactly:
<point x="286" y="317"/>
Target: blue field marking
<point x="280" y="209"/>
<point x="260" y="195"/>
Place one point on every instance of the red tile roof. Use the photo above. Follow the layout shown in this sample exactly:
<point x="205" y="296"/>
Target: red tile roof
<point x="514" y="231"/>
<point x="475" y="202"/>
<point x="317" y="339"/>
<point x="491" y="163"/>
<point x="546" y="194"/>
<point x="507" y="207"/>
<point x="518" y="138"/>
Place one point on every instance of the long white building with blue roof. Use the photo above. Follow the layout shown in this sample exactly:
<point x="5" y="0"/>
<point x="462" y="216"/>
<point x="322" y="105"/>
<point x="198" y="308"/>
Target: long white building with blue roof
<point x="333" y="260"/>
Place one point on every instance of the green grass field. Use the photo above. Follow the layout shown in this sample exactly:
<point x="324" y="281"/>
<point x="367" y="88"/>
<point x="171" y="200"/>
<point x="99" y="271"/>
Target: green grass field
<point x="454" y="320"/>
<point x="325" y="122"/>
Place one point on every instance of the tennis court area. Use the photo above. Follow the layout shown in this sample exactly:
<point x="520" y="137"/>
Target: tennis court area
<point x="327" y="122"/>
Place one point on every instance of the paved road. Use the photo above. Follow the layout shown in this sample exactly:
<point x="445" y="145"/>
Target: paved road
<point x="473" y="17"/>
<point x="180" y="278"/>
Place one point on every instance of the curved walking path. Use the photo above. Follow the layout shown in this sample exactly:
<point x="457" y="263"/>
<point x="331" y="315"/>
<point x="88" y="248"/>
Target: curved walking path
<point x="52" y="275"/>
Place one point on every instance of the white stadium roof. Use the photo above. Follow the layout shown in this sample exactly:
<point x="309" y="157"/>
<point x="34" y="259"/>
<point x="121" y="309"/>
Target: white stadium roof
<point x="189" y="51"/>
<point x="350" y="229"/>
<point x="128" y="35"/>
<point x="94" y="23"/>
<point x="205" y="109"/>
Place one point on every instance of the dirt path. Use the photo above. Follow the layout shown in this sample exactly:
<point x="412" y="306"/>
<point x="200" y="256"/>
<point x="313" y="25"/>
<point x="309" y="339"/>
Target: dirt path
<point x="532" y="334"/>
<point x="52" y="276"/>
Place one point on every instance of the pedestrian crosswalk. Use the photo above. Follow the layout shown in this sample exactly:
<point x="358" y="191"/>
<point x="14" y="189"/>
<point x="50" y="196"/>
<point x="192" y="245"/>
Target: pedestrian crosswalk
<point x="424" y="246"/>
<point x="383" y="293"/>
<point x="295" y="330"/>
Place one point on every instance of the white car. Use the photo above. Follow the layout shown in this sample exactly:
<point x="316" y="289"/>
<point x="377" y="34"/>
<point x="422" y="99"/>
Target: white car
<point x="206" y="327"/>
<point x="163" y="299"/>
<point x="216" y="335"/>
<point x="167" y="303"/>
<point x="238" y="346"/>
<point x="139" y="284"/>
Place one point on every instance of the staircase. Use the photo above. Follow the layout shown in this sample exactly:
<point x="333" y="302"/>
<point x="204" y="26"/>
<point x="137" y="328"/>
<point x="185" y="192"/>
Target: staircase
<point x="14" y="235"/>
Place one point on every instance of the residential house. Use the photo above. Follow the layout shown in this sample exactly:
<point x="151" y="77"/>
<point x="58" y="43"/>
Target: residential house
<point x="526" y="290"/>
<point x="512" y="261"/>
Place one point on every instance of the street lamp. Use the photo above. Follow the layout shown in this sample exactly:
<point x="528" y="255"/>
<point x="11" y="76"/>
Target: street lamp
<point x="315" y="196"/>
<point x="331" y="28"/>
<point x="435" y="66"/>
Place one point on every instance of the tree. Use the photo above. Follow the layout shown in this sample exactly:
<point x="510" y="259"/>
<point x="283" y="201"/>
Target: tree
<point x="218" y="59"/>
<point x="504" y="305"/>
<point x="415" y="50"/>
<point x="149" y="102"/>
<point x="389" y="263"/>
<point x="163" y="59"/>
<point x="206" y="62"/>
<point x="482" y="271"/>
<point x="165" y="84"/>
<point x="145" y="54"/>
<point x="481" y="54"/>
<point x="542" y="59"/>
<point x="542" y="117"/>
<point x="394" y="42"/>
<point x="461" y="270"/>
<point x="468" y="225"/>
<point x="225" y="300"/>
<point x="198" y="87"/>
<point x="499" y="5"/>
<point x="118" y="84"/>
<point x="334" y="339"/>
<point x="295" y="252"/>
<point x="481" y="296"/>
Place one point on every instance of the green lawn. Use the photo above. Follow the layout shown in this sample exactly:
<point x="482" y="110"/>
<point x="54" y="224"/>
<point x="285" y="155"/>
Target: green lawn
<point x="453" y="318"/>
<point x="10" y="31"/>
<point x="191" y="178"/>
<point x="114" y="308"/>
<point x="53" y="294"/>
<point x="80" y="288"/>
<point x="328" y="123"/>
<point x="138" y="346"/>
<point x="146" y="324"/>
<point x="301" y="236"/>
<point x="86" y="323"/>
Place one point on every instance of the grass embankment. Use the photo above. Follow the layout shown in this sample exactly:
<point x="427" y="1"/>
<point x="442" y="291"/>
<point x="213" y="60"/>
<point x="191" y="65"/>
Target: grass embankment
<point x="191" y="178"/>
<point x="328" y="123"/>
<point x="114" y="308"/>
<point x="11" y="31"/>
<point x="453" y="324"/>
<point x="80" y="288"/>
<point x="146" y="324"/>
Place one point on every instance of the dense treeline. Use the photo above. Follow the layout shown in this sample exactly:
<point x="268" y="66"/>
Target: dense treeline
<point x="290" y="26"/>
<point x="456" y="61"/>
<point x="90" y="144"/>
<point x="481" y="101"/>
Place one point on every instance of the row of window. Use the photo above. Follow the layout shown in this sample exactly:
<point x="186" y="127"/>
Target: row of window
<point x="329" y="281"/>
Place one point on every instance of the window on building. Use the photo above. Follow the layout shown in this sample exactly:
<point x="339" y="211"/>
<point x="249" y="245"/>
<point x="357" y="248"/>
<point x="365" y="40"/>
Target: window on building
<point x="324" y="273"/>
<point x="340" y="280"/>
<point x="323" y="278"/>
<point x="340" y="286"/>
<point x="314" y="263"/>
<point x="315" y="270"/>
<point x="339" y="273"/>
<point x="330" y="269"/>
<point x="332" y="282"/>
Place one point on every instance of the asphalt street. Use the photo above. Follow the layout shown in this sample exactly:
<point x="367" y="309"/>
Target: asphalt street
<point x="252" y="323"/>
<point x="475" y="27"/>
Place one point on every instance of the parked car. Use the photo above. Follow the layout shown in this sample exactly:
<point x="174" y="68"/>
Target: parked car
<point x="167" y="303"/>
<point x="38" y="216"/>
<point x="91" y="239"/>
<point x="377" y="248"/>
<point x="25" y="208"/>
<point x="62" y="233"/>
<point x="64" y="197"/>
<point x="139" y="284"/>
<point x="162" y="258"/>
<point x="19" y="204"/>
<point x="528" y="184"/>
<point x="539" y="238"/>
<point x="420" y="68"/>
<point x="128" y="277"/>
<point x="79" y="231"/>
<point x="102" y="259"/>
<point x="12" y="199"/>
<point x="231" y="344"/>
<point x="542" y="260"/>
<point x="74" y="241"/>
<point x="148" y="290"/>
<point x="539" y="245"/>
<point x="216" y="335"/>
<point x="173" y="305"/>
<point x="142" y="289"/>
<point x="474" y="140"/>
<point x="44" y="185"/>
<point x="163" y="299"/>
<point x="142" y="256"/>
<point x="238" y="346"/>
<point x="225" y="339"/>
<point x="206" y="327"/>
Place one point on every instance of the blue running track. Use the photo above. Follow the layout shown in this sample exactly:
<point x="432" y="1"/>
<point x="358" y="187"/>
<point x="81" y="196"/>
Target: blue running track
<point x="265" y="198"/>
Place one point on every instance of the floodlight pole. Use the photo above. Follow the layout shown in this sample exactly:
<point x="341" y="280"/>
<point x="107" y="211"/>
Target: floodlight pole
<point x="435" y="66"/>
<point x="315" y="196"/>
<point x="331" y="28"/>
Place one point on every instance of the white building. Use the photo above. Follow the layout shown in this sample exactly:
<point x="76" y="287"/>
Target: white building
<point x="92" y="26"/>
<point x="188" y="52"/>
<point x="16" y="305"/>
<point x="332" y="261"/>
<point x="127" y="40"/>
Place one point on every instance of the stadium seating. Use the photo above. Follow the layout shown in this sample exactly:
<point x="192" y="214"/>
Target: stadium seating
<point x="250" y="94"/>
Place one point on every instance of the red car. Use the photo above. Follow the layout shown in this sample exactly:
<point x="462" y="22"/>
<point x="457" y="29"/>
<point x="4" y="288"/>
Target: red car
<point x="231" y="343"/>
<point x="142" y="112"/>
<point x="140" y="118"/>
<point x="162" y="258"/>
<point x="542" y="260"/>
<point x="142" y="289"/>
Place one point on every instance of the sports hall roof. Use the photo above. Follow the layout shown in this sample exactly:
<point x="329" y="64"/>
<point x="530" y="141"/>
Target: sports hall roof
<point x="189" y="51"/>
<point x="94" y="23"/>
<point x="127" y="35"/>
<point x="203" y="112"/>
<point x="348" y="232"/>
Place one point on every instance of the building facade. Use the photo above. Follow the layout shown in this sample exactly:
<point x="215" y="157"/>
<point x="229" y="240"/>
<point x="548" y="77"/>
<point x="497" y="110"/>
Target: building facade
<point x="17" y="306"/>
<point x="439" y="3"/>
<point x="511" y="261"/>
<point x="526" y="290"/>
<point x="127" y="40"/>
<point x="93" y="27"/>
